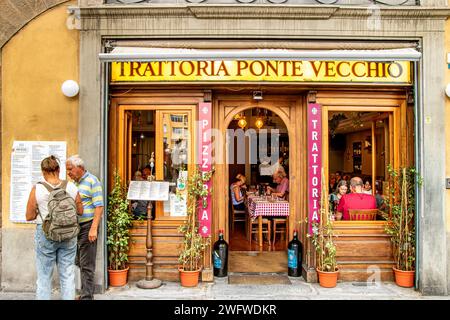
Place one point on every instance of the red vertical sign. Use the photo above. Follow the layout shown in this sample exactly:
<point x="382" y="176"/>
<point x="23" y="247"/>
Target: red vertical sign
<point x="314" y="162"/>
<point x="205" y="158"/>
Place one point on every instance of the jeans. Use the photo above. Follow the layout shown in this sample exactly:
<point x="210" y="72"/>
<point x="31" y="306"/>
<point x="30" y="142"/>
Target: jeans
<point x="48" y="253"/>
<point x="87" y="252"/>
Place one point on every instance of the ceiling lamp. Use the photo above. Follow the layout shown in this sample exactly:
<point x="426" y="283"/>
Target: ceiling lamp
<point x="259" y="123"/>
<point x="242" y="122"/>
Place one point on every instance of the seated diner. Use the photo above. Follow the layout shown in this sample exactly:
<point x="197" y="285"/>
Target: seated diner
<point x="335" y="197"/>
<point x="282" y="189"/>
<point x="237" y="190"/>
<point x="357" y="199"/>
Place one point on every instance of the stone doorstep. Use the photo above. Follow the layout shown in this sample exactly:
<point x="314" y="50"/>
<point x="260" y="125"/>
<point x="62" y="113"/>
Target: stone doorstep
<point x="220" y="289"/>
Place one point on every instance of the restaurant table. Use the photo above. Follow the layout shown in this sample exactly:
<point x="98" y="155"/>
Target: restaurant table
<point x="259" y="206"/>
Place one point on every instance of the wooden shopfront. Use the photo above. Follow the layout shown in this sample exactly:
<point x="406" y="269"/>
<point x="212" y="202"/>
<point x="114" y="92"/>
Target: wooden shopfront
<point x="153" y="103"/>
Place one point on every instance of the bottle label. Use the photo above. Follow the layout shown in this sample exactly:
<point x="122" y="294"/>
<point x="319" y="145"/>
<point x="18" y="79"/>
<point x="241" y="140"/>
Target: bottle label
<point x="217" y="260"/>
<point x="292" y="259"/>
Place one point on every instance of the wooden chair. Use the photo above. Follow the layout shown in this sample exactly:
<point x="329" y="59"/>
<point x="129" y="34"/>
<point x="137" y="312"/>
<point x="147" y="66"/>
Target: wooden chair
<point x="237" y="216"/>
<point x="281" y="226"/>
<point x="252" y="228"/>
<point x="363" y="214"/>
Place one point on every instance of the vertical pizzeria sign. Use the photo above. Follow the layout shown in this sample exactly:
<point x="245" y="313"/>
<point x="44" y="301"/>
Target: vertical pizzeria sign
<point x="314" y="162"/>
<point x="205" y="159"/>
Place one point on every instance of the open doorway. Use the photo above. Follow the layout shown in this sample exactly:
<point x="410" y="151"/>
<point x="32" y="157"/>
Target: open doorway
<point x="258" y="149"/>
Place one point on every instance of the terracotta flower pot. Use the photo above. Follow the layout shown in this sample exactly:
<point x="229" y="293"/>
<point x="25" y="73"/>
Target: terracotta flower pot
<point x="118" y="278"/>
<point x="189" y="278"/>
<point x="328" y="279"/>
<point x="404" y="278"/>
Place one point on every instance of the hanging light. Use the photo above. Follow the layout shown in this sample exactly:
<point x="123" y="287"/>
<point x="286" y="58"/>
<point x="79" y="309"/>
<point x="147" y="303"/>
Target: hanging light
<point x="237" y="116"/>
<point x="259" y="123"/>
<point x="142" y="136"/>
<point x="242" y="122"/>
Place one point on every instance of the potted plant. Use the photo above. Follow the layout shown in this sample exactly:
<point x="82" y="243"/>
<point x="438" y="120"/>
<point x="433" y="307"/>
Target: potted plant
<point x="401" y="222"/>
<point x="194" y="244"/>
<point x="118" y="234"/>
<point x="322" y="239"/>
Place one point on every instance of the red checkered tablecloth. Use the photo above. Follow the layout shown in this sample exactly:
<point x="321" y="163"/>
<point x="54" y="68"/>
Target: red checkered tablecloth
<point x="259" y="206"/>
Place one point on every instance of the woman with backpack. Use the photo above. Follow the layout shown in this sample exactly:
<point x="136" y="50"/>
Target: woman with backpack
<point x="54" y="204"/>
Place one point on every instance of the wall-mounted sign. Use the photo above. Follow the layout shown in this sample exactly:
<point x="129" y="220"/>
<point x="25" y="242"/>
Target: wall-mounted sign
<point x="262" y="71"/>
<point x="269" y="2"/>
<point x="205" y="158"/>
<point x="314" y="162"/>
<point x="26" y="157"/>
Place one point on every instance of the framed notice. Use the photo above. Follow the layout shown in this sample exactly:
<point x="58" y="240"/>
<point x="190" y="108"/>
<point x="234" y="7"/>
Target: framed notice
<point x="148" y="190"/>
<point x="26" y="157"/>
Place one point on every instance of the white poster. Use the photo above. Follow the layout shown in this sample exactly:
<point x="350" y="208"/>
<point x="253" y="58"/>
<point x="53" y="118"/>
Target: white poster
<point x="26" y="157"/>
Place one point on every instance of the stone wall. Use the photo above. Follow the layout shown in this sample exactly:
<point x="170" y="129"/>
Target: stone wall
<point x="16" y="14"/>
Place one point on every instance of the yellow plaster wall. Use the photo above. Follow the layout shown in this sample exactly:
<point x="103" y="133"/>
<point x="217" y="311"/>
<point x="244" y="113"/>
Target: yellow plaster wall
<point x="35" y="62"/>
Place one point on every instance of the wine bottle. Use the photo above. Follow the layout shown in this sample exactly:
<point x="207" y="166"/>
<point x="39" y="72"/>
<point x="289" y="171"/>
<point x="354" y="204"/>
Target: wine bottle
<point x="220" y="256"/>
<point x="295" y="250"/>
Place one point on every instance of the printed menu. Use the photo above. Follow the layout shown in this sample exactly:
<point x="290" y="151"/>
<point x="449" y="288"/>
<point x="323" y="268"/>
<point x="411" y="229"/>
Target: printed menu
<point x="26" y="157"/>
<point x="146" y="190"/>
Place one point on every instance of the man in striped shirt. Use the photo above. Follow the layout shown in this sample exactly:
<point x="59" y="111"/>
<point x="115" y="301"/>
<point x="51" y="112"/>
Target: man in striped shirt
<point x="90" y="190"/>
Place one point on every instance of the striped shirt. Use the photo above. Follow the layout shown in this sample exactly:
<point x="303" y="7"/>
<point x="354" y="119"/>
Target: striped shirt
<point x="90" y="190"/>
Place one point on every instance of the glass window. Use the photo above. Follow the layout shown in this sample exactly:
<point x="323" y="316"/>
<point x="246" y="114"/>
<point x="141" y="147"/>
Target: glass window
<point x="176" y="146"/>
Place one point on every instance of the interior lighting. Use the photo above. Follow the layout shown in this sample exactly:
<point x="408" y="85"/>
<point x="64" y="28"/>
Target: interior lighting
<point x="259" y="123"/>
<point x="242" y="122"/>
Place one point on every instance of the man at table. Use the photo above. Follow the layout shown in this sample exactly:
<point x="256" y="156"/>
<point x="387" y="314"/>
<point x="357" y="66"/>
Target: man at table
<point x="282" y="189"/>
<point x="356" y="199"/>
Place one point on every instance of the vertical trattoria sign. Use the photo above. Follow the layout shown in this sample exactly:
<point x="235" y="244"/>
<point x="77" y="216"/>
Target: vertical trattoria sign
<point x="314" y="162"/>
<point x="205" y="158"/>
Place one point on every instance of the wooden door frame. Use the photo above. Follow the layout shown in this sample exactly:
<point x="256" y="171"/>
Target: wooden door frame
<point x="150" y="101"/>
<point x="292" y="112"/>
<point x="395" y="104"/>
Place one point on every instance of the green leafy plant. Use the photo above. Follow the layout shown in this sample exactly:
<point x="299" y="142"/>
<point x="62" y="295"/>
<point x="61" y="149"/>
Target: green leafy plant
<point x="118" y="224"/>
<point x="401" y="215"/>
<point x="194" y="244"/>
<point x="322" y="235"/>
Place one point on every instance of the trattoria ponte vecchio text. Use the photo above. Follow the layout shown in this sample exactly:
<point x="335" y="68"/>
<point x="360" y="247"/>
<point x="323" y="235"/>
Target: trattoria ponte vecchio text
<point x="262" y="70"/>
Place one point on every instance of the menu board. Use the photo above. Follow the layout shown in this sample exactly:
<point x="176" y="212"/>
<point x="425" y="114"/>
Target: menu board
<point x="146" y="190"/>
<point x="26" y="157"/>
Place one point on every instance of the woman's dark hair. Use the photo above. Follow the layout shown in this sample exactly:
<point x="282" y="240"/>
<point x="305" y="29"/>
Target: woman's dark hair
<point x="50" y="164"/>
<point x="340" y="184"/>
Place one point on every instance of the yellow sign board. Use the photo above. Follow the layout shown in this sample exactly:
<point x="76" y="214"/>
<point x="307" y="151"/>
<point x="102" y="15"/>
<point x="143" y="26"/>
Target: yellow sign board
<point x="262" y="71"/>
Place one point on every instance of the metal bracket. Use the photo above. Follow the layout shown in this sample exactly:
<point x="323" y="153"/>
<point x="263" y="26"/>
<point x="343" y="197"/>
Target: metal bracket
<point x="312" y="96"/>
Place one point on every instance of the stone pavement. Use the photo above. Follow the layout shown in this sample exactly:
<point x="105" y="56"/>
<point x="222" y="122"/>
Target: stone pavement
<point x="221" y="290"/>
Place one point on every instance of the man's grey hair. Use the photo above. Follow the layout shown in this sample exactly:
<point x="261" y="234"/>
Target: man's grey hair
<point x="76" y="161"/>
<point x="356" y="181"/>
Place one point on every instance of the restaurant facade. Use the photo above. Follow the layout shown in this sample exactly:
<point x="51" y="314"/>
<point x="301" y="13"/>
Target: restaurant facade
<point x="159" y="78"/>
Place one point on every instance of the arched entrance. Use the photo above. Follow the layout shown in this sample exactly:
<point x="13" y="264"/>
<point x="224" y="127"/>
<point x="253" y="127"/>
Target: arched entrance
<point x="290" y="113"/>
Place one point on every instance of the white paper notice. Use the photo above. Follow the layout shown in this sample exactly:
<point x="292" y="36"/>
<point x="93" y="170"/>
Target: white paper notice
<point x="26" y="157"/>
<point x="146" y="190"/>
<point x="178" y="206"/>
